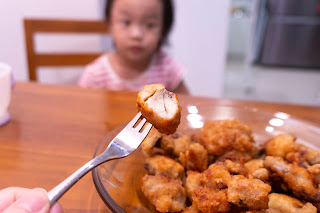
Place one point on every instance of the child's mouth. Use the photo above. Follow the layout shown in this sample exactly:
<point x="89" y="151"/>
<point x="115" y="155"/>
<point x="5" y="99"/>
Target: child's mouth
<point x="135" y="49"/>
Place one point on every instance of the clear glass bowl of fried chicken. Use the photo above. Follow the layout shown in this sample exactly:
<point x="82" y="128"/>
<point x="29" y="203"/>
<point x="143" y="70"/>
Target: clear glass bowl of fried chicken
<point x="220" y="159"/>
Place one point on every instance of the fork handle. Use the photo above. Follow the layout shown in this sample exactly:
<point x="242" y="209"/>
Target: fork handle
<point x="56" y="193"/>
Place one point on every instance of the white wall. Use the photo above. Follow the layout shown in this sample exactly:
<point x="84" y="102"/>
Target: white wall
<point x="12" y="41"/>
<point x="198" y="39"/>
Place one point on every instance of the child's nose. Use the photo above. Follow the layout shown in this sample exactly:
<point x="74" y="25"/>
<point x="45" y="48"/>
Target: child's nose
<point x="136" y="31"/>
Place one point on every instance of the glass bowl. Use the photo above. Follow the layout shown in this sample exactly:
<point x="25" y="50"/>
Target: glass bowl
<point x="119" y="181"/>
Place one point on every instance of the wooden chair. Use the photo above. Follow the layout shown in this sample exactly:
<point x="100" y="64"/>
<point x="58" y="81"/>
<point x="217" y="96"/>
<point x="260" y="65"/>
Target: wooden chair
<point x="35" y="60"/>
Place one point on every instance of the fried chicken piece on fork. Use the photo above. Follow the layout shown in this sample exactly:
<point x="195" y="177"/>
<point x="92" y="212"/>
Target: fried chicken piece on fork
<point x="160" y="107"/>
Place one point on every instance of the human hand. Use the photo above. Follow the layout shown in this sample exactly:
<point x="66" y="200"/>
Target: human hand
<point x="16" y="200"/>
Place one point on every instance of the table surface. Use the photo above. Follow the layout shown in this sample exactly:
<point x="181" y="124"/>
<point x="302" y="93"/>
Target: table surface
<point x="55" y="129"/>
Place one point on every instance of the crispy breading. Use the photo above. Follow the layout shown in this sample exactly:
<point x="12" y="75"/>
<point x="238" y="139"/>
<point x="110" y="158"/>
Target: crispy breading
<point x="250" y="193"/>
<point x="160" y="107"/>
<point x="299" y="180"/>
<point x="281" y="203"/>
<point x="158" y="143"/>
<point x="164" y="192"/>
<point x="195" y="158"/>
<point x="210" y="200"/>
<point x="192" y="182"/>
<point x="159" y="164"/>
<point x="235" y="168"/>
<point x="256" y="169"/>
<point x="304" y="156"/>
<point x="191" y="209"/>
<point x="175" y="143"/>
<point x="216" y="176"/>
<point x="235" y="156"/>
<point x="219" y="137"/>
<point x="315" y="171"/>
<point x="149" y="144"/>
<point x="298" y="159"/>
<point x="310" y="155"/>
<point x="281" y="145"/>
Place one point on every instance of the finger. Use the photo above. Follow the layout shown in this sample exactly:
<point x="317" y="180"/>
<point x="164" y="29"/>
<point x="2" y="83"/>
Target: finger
<point x="56" y="208"/>
<point x="33" y="201"/>
<point x="8" y="196"/>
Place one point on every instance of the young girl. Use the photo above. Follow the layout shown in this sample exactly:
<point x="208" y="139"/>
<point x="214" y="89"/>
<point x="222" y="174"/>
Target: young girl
<point x="139" y="29"/>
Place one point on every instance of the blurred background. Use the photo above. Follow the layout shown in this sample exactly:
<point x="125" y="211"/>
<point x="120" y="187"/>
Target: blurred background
<point x="266" y="50"/>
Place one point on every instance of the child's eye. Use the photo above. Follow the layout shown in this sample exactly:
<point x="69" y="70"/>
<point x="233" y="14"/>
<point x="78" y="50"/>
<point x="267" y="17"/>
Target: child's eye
<point x="150" y="25"/>
<point x="125" y="22"/>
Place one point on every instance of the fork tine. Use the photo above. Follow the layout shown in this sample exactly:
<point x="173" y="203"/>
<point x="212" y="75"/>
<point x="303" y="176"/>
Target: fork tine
<point x="141" y="124"/>
<point x="134" y="120"/>
<point x="147" y="129"/>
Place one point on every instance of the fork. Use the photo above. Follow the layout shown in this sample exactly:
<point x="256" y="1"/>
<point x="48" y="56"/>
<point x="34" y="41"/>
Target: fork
<point x="127" y="141"/>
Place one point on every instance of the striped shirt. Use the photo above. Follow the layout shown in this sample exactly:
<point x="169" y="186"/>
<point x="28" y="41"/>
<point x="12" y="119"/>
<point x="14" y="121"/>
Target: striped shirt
<point x="163" y="69"/>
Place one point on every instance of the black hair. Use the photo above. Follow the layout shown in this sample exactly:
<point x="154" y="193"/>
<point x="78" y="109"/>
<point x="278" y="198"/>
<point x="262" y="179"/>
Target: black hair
<point x="168" y="18"/>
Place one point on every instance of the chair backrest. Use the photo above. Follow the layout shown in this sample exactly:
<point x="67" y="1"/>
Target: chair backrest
<point x="35" y="60"/>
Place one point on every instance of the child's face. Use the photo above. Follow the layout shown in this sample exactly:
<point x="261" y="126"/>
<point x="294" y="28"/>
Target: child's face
<point x="136" y="26"/>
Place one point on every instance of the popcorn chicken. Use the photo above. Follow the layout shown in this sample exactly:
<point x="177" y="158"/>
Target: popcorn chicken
<point x="160" y="107"/>
<point x="250" y="193"/>
<point x="281" y="145"/>
<point x="159" y="164"/>
<point x="219" y="137"/>
<point x="211" y="200"/>
<point x="281" y="203"/>
<point x="256" y="169"/>
<point x="192" y="182"/>
<point x="226" y="172"/>
<point x="299" y="180"/>
<point x="216" y="176"/>
<point x="175" y="144"/>
<point x="164" y="192"/>
<point x="195" y="158"/>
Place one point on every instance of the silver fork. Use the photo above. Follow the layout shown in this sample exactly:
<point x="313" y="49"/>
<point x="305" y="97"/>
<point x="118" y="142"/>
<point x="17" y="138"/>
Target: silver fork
<point x="127" y="141"/>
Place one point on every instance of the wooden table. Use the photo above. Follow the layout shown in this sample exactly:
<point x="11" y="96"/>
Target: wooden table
<point x="55" y="130"/>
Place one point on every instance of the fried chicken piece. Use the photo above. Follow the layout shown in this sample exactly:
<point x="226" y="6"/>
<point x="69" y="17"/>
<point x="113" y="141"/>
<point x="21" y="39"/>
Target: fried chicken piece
<point x="210" y="200"/>
<point x="159" y="164"/>
<point x="299" y="180"/>
<point x="160" y="107"/>
<point x="304" y="156"/>
<point x="250" y="193"/>
<point x="281" y="203"/>
<point x="298" y="159"/>
<point x="219" y="137"/>
<point x="315" y="171"/>
<point x="216" y="176"/>
<point x="235" y="156"/>
<point x="310" y="155"/>
<point x="281" y="145"/>
<point x="192" y="182"/>
<point x="175" y="143"/>
<point x="256" y="169"/>
<point x="317" y="205"/>
<point x="164" y="192"/>
<point x="195" y="158"/>
<point x="157" y="143"/>
<point x="149" y="145"/>
<point x="233" y="167"/>
<point x="191" y="209"/>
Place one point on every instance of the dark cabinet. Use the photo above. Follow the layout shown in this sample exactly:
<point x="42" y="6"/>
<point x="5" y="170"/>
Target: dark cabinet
<point x="292" y="34"/>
